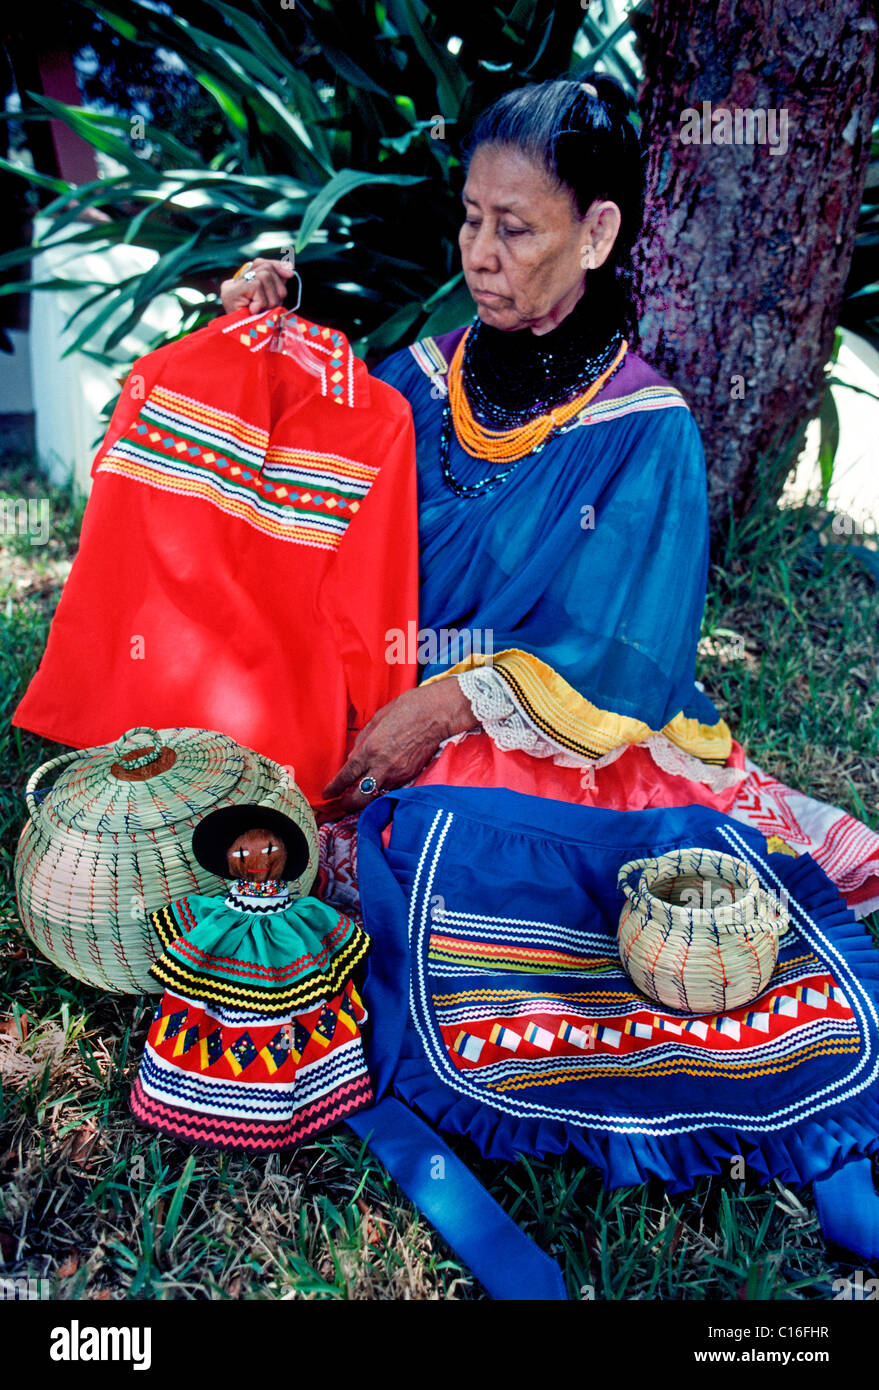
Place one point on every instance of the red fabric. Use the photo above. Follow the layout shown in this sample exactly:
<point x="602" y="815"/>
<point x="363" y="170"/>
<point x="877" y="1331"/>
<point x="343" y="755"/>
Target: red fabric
<point x="180" y="610"/>
<point x="633" y="782"/>
<point x="866" y="897"/>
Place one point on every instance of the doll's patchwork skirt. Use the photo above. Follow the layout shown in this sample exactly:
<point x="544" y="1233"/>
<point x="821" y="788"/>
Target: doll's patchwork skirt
<point x="243" y="1052"/>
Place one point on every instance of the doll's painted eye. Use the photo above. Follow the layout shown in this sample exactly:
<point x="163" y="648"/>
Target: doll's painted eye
<point x="270" y="849"/>
<point x="242" y="852"/>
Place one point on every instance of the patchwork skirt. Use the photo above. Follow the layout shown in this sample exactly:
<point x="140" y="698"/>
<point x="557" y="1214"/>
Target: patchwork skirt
<point x="255" y="1044"/>
<point x="246" y="1081"/>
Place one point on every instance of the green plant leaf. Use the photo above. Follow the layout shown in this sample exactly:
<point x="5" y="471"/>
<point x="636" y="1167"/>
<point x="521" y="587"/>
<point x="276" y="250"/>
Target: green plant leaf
<point x="90" y="125"/>
<point x="232" y="110"/>
<point x="342" y="183"/>
<point x="829" y="441"/>
<point x="40" y="180"/>
<point x="411" y="17"/>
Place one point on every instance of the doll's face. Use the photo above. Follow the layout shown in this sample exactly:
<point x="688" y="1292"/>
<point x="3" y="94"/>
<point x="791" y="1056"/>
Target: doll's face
<point x="258" y="855"/>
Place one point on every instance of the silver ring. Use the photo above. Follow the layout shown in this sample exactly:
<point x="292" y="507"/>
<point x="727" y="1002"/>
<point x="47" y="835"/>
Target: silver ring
<point x="249" y="275"/>
<point x="368" y="785"/>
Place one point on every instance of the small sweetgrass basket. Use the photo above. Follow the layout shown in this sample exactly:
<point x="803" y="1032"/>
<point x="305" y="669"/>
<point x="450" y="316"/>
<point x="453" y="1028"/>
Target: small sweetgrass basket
<point x="108" y="840"/>
<point x="698" y="932"/>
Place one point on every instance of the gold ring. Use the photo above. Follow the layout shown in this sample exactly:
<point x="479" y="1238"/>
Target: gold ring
<point x="241" y="269"/>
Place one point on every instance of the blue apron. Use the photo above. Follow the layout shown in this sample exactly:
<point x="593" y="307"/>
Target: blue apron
<point x="501" y="1012"/>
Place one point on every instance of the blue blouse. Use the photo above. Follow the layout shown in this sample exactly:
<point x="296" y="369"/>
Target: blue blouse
<point x="592" y="555"/>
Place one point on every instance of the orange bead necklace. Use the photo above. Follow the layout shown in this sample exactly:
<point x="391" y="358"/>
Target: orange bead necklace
<point x="509" y="446"/>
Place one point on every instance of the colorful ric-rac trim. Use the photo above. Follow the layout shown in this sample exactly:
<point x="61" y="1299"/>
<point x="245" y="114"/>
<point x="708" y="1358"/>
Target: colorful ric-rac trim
<point x="307" y="497"/>
<point x="253" y="1085"/>
<point x="242" y="984"/>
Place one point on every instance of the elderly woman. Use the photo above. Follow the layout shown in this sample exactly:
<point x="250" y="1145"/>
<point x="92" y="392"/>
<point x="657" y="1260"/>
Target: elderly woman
<point x="563" y="524"/>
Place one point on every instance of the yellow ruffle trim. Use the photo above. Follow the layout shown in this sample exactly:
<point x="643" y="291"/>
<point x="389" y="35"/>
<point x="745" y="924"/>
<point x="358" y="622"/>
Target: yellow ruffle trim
<point x="560" y="712"/>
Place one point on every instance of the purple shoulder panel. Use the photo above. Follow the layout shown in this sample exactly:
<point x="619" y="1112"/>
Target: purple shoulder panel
<point x="448" y="342"/>
<point x="632" y="376"/>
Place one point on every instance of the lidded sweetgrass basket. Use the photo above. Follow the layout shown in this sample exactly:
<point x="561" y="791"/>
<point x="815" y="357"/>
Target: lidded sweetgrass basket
<point x="108" y="839"/>
<point x="698" y="931"/>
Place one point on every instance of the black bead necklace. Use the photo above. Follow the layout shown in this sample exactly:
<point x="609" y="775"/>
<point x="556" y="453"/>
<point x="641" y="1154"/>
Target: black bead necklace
<point x="507" y="389"/>
<point x="484" y="484"/>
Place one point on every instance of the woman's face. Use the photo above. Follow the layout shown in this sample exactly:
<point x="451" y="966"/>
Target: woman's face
<point x="524" y="248"/>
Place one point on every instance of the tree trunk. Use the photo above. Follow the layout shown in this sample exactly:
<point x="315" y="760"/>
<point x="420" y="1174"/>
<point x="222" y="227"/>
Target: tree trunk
<point x="742" y="262"/>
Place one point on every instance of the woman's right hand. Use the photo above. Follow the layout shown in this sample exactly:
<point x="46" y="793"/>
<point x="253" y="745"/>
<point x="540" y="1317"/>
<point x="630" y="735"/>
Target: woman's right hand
<point x="266" y="290"/>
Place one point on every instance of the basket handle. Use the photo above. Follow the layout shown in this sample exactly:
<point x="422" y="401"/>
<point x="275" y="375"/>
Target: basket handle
<point x="145" y="758"/>
<point x="774" y="908"/>
<point x="34" y="780"/>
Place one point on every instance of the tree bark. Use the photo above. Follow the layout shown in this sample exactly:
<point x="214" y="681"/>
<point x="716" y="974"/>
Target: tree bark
<point x="743" y="258"/>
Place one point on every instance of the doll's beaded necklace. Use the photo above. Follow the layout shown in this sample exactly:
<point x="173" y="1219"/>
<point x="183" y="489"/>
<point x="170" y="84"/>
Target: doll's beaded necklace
<point x="268" y="888"/>
<point x="248" y="895"/>
<point x="527" y="436"/>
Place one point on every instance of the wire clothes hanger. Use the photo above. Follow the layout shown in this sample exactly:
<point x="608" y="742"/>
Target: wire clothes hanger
<point x="284" y="338"/>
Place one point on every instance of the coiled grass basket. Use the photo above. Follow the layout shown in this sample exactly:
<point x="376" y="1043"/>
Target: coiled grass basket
<point x="698" y="932"/>
<point x="108" y="840"/>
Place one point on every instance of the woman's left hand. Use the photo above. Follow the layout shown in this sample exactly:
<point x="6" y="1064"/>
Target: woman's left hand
<point x="397" y="743"/>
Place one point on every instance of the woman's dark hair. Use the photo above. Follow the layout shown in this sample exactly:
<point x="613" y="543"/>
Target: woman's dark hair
<point x="588" y="144"/>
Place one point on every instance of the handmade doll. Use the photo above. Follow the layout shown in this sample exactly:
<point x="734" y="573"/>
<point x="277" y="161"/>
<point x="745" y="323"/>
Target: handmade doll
<point x="256" y="1042"/>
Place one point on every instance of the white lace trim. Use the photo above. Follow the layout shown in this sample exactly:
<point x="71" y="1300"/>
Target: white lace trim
<point x="671" y="758"/>
<point x="508" y="727"/>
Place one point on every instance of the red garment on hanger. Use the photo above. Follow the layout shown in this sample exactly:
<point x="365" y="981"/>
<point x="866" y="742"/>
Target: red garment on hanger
<point x="249" y="543"/>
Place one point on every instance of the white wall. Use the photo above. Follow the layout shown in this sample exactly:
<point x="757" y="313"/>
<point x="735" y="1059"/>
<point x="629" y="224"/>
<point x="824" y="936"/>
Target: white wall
<point x="70" y="393"/>
<point x="16" y="396"/>
<point x="854" y="489"/>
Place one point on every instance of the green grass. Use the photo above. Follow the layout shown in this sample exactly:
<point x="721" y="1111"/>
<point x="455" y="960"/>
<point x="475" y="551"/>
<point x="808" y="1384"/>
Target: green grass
<point x="96" y="1205"/>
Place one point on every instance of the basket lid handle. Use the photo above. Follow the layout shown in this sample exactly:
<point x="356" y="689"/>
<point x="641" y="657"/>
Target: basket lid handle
<point x="149" y="755"/>
<point x="140" y="764"/>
